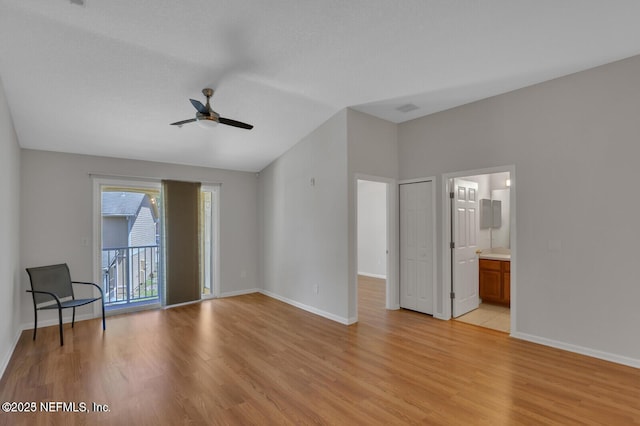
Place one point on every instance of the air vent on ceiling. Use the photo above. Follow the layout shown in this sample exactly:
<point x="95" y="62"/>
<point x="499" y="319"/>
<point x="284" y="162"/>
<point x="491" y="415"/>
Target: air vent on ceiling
<point x="407" y="108"/>
<point x="77" y="2"/>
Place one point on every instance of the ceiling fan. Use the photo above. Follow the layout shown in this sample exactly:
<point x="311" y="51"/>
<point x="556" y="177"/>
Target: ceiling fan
<point x="207" y="117"/>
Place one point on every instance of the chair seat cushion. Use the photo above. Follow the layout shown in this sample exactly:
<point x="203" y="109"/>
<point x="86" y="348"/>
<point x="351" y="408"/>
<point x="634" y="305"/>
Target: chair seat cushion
<point x="71" y="303"/>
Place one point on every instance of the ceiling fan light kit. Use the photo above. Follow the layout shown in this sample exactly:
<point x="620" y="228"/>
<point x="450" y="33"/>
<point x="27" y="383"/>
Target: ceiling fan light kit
<point x="206" y="117"/>
<point x="207" y="121"/>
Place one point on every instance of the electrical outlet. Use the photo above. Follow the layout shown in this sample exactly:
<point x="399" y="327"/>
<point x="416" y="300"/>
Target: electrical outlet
<point x="316" y="288"/>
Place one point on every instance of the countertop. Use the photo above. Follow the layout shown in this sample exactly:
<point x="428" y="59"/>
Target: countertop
<point x="494" y="256"/>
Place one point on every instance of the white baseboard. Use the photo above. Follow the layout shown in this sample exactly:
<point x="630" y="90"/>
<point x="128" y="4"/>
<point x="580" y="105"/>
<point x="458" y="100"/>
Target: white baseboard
<point x="240" y="292"/>
<point x="131" y="309"/>
<point x="367" y="274"/>
<point x="7" y="356"/>
<point x="320" y="312"/>
<point x="351" y="320"/>
<point x="54" y="321"/>
<point x="177" y="305"/>
<point x="618" y="359"/>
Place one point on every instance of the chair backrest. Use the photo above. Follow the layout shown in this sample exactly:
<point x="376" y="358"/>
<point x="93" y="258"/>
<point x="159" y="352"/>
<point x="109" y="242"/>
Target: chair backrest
<point x="54" y="278"/>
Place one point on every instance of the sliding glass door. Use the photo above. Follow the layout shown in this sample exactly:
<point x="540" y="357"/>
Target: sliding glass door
<point x="129" y="251"/>
<point x="130" y="244"/>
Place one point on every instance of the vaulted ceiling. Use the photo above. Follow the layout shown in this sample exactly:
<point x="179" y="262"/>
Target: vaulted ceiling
<point x="107" y="77"/>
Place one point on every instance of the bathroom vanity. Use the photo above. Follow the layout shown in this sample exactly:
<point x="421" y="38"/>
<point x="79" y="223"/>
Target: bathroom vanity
<point x="495" y="278"/>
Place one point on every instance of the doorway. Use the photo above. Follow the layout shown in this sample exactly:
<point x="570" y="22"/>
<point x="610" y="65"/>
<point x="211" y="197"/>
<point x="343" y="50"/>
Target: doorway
<point x="130" y="249"/>
<point x="480" y="252"/>
<point x="372" y="244"/>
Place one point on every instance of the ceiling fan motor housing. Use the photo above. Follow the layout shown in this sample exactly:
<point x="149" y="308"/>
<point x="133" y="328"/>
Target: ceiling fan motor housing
<point x="213" y="116"/>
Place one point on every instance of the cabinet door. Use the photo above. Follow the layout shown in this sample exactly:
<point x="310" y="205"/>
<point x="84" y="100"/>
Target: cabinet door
<point x="506" y="284"/>
<point x="490" y="285"/>
<point x="494" y="265"/>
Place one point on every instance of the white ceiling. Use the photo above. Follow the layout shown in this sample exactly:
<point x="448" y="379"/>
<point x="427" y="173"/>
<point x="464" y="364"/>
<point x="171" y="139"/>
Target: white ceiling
<point x="107" y="78"/>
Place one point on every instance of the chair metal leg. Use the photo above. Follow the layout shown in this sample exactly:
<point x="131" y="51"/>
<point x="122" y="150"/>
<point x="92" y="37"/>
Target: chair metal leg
<point x="35" y="323"/>
<point x="104" y="326"/>
<point x="60" y="317"/>
<point x="73" y="317"/>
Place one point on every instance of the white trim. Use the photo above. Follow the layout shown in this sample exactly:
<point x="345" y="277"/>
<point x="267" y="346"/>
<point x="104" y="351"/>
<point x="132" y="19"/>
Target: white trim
<point x="7" y="356"/>
<point x="55" y="321"/>
<point x="240" y="292"/>
<point x="153" y="179"/>
<point x="177" y="305"/>
<point x="316" y="311"/>
<point x="417" y="180"/>
<point x="434" y="232"/>
<point x="215" y="218"/>
<point x="445" y="314"/>
<point x="367" y="274"/>
<point x="594" y="353"/>
<point x="130" y="309"/>
<point x="446" y="227"/>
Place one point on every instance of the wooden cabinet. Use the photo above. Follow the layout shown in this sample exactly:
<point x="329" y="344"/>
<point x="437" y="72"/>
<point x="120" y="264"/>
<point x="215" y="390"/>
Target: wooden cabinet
<point x="495" y="281"/>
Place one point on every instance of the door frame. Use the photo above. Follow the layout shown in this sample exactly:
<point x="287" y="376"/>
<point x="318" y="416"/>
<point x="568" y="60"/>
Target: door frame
<point x="392" y="290"/>
<point x="434" y="211"/>
<point x="445" y="297"/>
<point x="98" y="183"/>
<point x="215" y="242"/>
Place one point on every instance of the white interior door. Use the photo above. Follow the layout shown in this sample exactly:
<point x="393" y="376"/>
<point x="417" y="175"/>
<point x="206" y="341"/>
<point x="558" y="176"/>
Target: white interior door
<point x="465" y="228"/>
<point x="417" y="246"/>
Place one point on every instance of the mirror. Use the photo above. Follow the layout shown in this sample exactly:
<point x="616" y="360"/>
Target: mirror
<point x="496" y="213"/>
<point x="490" y="213"/>
<point x="486" y="216"/>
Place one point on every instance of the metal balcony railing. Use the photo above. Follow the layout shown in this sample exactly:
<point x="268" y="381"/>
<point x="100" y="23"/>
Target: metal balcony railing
<point x="130" y="274"/>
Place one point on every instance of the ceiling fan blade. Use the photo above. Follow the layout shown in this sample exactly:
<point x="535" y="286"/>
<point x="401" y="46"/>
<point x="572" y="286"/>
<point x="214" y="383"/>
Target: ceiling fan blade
<point x="235" y="123"/>
<point x="180" y="123"/>
<point x="198" y="105"/>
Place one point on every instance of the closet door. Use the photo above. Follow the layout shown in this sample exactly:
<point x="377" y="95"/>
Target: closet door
<point x="417" y="246"/>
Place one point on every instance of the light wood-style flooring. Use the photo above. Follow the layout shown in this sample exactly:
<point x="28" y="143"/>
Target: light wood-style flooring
<point x="254" y="360"/>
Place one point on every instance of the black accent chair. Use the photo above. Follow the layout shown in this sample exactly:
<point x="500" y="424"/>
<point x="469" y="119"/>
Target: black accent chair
<point x="52" y="288"/>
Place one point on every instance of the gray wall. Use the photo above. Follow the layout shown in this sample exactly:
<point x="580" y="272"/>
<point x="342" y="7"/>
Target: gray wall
<point x="304" y="228"/>
<point x="308" y="233"/>
<point x="575" y="144"/>
<point x="372" y="152"/>
<point x="57" y="214"/>
<point x="10" y="272"/>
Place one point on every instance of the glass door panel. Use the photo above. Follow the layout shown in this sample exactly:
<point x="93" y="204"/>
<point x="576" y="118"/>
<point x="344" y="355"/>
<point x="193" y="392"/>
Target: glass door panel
<point x="130" y="249"/>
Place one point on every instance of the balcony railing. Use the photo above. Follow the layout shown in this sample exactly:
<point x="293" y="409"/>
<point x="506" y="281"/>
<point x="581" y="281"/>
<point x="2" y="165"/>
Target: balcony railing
<point x="130" y="275"/>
